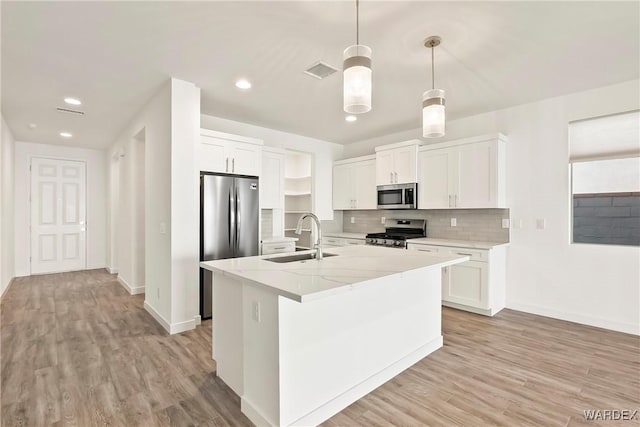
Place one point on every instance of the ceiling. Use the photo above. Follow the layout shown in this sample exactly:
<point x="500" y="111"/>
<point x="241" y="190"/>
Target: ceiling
<point x="115" y="55"/>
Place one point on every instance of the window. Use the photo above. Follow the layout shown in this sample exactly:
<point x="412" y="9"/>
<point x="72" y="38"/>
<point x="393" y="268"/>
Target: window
<point x="605" y="179"/>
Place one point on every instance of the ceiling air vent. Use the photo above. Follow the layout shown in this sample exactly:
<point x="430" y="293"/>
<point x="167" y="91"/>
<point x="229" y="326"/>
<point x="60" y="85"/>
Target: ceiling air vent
<point x="66" y="110"/>
<point x="320" y="70"/>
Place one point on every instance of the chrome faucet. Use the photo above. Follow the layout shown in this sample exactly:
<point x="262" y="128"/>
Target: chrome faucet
<point x="318" y="244"/>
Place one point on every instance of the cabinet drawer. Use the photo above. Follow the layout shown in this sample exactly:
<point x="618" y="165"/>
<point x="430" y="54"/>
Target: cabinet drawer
<point x="349" y="242"/>
<point x="473" y="254"/>
<point x="278" y="248"/>
<point x="425" y="248"/>
<point x="332" y="241"/>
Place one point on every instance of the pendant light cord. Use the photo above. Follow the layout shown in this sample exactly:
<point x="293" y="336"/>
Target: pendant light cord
<point x="433" y="71"/>
<point x="357" y="22"/>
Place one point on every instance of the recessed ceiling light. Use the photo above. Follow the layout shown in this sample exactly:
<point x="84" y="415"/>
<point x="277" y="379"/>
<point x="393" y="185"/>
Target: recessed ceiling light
<point x="72" y="101"/>
<point x="243" y="84"/>
<point x="351" y="118"/>
<point x="65" y="134"/>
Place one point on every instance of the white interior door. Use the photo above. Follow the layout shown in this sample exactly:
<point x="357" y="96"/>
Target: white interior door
<point x="58" y="215"/>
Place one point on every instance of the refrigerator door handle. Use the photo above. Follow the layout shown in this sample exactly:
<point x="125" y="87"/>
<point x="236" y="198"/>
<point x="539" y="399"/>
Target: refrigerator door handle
<point x="237" y="217"/>
<point x="230" y="220"/>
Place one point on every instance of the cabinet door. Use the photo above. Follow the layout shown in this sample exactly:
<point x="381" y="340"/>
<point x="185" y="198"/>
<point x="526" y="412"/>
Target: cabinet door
<point x="365" y="195"/>
<point x="213" y="155"/>
<point x="477" y="176"/>
<point x="245" y="159"/>
<point x="435" y="171"/>
<point x="343" y="198"/>
<point x="272" y="181"/>
<point x="384" y="167"/>
<point x="405" y="165"/>
<point x="466" y="284"/>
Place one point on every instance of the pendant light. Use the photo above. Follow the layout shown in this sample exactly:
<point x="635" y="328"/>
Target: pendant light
<point x="357" y="74"/>
<point x="433" y="114"/>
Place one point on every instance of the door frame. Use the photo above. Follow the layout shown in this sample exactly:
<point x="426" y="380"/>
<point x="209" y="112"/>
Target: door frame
<point x="30" y="206"/>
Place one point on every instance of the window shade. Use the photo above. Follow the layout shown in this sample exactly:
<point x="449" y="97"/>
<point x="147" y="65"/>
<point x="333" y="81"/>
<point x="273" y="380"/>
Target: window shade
<point x="605" y="137"/>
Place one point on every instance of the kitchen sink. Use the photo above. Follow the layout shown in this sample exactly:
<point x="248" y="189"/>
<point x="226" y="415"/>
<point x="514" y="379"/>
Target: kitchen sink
<point x="301" y="257"/>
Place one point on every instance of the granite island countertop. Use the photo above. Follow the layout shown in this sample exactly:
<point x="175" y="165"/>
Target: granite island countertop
<point x="309" y="280"/>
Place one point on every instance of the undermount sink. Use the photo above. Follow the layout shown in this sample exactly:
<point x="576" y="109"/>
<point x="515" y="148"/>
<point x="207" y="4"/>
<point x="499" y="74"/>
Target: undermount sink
<point x="294" y="258"/>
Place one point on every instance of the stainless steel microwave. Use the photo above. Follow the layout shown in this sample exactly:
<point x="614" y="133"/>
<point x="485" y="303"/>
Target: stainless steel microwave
<point x="398" y="196"/>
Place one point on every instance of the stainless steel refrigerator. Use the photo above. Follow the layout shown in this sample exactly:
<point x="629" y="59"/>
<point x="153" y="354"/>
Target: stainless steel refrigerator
<point x="228" y="224"/>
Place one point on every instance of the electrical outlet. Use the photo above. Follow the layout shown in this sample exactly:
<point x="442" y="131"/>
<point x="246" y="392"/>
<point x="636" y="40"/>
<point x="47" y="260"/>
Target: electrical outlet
<point x="454" y="222"/>
<point x="382" y="220"/>
<point x="163" y="228"/>
<point x="541" y="223"/>
<point x="353" y="220"/>
<point x="256" y="311"/>
<point x="506" y="223"/>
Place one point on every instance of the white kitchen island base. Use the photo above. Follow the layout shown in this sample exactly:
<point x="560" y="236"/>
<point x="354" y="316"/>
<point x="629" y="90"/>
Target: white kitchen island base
<point x="300" y="362"/>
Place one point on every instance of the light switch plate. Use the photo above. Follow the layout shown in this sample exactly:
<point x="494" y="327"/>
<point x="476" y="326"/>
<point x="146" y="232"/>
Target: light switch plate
<point x="353" y="220"/>
<point x="382" y="220"/>
<point x="506" y="222"/>
<point x="256" y="311"/>
<point x="541" y="223"/>
<point x="454" y="222"/>
<point x="163" y="228"/>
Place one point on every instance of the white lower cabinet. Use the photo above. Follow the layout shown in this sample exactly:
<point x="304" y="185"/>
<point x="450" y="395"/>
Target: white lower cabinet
<point x="477" y="285"/>
<point x="278" y="247"/>
<point x="334" y="242"/>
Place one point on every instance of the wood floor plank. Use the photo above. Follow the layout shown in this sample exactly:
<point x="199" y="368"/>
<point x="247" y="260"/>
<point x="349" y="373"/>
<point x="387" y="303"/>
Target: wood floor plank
<point x="77" y="350"/>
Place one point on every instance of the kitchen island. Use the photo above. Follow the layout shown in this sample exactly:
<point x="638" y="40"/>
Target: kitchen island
<point x="299" y="341"/>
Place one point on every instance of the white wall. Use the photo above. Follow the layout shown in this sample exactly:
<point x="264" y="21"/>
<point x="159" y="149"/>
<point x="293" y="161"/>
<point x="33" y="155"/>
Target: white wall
<point x="96" y="200"/>
<point x="585" y="283"/>
<point x="324" y="154"/>
<point x="155" y="120"/>
<point x="171" y="125"/>
<point x="7" y="248"/>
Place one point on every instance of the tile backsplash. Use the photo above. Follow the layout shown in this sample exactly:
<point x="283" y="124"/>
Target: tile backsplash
<point x="472" y="224"/>
<point x="266" y="223"/>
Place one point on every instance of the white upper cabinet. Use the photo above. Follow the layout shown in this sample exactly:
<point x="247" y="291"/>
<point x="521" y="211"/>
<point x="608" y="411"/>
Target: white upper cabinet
<point x="226" y="153"/>
<point x="272" y="178"/>
<point x="467" y="173"/>
<point x="397" y="163"/>
<point x="354" y="184"/>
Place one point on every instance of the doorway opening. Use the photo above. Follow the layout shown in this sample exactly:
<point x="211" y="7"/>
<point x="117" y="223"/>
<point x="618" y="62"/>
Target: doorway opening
<point x="138" y="204"/>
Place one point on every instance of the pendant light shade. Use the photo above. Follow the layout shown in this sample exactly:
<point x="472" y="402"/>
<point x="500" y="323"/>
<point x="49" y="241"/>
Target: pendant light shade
<point x="357" y="74"/>
<point x="357" y="79"/>
<point x="433" y="113"/>
<point x="433" y="110"/>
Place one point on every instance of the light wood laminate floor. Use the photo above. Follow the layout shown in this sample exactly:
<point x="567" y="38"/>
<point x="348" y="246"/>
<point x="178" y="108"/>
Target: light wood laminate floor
<point x="76" y="349"/>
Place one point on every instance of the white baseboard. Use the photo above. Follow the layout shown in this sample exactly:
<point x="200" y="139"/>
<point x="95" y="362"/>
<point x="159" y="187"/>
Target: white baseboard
<point x="178" y="327"/>
<point x="483" y="311"/>
<point x="7" y="288"/>
<point x="340" y="402"/>
<point x="133" y="290"/>
<point x="171" y="328"/>
<point x="628" y="328"/>
<point x="198" y="319"/>
<point x="111" y="270"/>
<point x="161" y="320"/>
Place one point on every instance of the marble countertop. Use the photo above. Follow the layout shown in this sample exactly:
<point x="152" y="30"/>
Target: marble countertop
<point x="353" y="266"/>
<point x="343" y="235"/>
<point x="279" y="239"/>
<point x="456" y="243"/>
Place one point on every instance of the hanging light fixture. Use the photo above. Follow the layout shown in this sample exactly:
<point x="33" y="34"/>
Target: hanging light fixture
<point x="357" y="74"/>
<point x="433" y="100"/>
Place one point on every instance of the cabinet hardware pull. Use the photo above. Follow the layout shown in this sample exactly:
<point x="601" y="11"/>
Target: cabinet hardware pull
<point x="280" y="247"/>
<point x="425" y="250"/>
<point x="455" y="200"/>
<point x="391" y="177"/>
<point x="449" y="200"/>
<point x="233" y="165"/>
<point x="396" y="177"/>
<point x="226" y="167"/>
<point x="462" y="253"/>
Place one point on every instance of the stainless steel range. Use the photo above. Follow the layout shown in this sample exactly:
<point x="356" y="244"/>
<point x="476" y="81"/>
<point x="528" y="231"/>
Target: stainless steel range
<point x="397" y="232"/>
